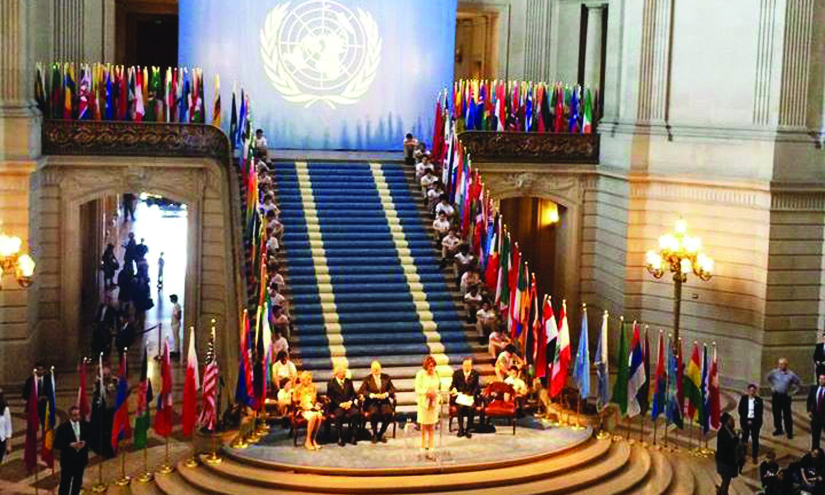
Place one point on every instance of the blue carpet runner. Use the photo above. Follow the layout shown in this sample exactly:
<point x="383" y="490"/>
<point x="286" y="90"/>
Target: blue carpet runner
<point x="363" y="272"/>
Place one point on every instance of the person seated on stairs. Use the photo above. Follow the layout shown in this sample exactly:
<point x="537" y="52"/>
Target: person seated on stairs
<point x="273" y="223"/>
<point x="485" y="320"/>
<point x="305" y="397"/>
<point x="441" y="226"/>
<point x="507" y="359"/>
<point x="272" y="244"/>
<point x="464" y="260"/>
<point x="422" y="166"/>
<point x="278" y="321"/>
<point x="811" y="472"/>
<point x="278" y="299"/>
<point x="472" y="301"/>
<point x="434" y="196"/>
<point x="275" y="277"/>
<point x="279" y="343"/>
<point x="768" y="471"/>
<point x="377" y="393"/>
<point x="284" y="378"/>
<point x="469" y="279"/>
<point x="269" y="205"/>
<point x="427" y="182"/>
<point x="497" y="342"/>
<point x="343" y="404"/>
<point x="445" y="206"/>
<point x="449" y="246"/>
<point x="464" y="390"/>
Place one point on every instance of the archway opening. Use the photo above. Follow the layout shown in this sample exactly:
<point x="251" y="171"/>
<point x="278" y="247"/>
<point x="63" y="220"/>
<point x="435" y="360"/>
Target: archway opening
<point x="134" y="257"/>
<point x="536" y="224"/>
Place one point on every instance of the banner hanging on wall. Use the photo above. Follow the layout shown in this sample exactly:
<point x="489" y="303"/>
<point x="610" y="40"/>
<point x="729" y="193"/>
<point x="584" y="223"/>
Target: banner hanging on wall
<point x="322" y="74"/>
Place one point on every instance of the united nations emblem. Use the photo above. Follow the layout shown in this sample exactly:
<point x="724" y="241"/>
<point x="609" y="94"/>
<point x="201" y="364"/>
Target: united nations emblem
<point x="320" y="51"/>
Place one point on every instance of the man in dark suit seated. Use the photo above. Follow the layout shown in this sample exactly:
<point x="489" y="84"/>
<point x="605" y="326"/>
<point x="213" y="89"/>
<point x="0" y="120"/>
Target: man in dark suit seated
<point x="750" y="417"/>
<point x="377" y="393"/>
<point x="466" y="382"/>
<point x="71" y="439"/>
<point x="342" y="404"/>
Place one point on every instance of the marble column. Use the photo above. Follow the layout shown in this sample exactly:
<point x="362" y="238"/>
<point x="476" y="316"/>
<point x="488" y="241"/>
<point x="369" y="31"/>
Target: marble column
<point x="593" y="48"/>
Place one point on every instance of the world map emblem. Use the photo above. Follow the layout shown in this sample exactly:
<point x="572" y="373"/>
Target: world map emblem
<point x="320" y="51"/>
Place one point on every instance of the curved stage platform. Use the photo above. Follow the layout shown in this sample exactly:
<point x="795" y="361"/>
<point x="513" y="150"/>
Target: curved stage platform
<point x="539" y="459"/>
<point x="533" y="440"/>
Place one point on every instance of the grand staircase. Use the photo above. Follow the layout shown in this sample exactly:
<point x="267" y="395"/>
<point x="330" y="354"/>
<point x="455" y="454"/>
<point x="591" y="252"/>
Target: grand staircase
<point x="364" y="275"/>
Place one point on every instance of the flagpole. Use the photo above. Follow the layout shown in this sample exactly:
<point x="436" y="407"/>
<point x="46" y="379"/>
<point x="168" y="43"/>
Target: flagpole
<point x="100" y="487"/>
<point x="124" y="480"/>
<point x="146" y="476"/>
<point x="655" y="431"/>
<point x="166" y="468"/>
<point x="36" y="477"/>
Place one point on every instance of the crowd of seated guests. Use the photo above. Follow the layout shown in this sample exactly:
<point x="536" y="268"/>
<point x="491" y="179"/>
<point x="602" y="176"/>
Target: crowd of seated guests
<point x="803" y="475"/>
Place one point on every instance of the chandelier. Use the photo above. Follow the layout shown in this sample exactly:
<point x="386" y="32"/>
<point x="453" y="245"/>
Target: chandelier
<point x="11" y="261"/>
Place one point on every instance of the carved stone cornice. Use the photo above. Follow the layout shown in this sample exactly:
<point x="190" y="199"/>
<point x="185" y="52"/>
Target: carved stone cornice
<point x="531" y="147"/>
<point x="69" y="137"/>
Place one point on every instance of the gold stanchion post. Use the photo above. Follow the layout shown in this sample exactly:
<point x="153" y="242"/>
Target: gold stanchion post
<point x="124" y="479"/>
<point x="166" y="467"/>
<point x="146" y="476"/>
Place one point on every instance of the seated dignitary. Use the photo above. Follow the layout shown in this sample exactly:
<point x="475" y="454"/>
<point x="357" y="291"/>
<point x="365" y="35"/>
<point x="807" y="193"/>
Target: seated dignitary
<point x="464" y="390"/>
<point x="377" y="393"/>
<point x="342" y="404"/>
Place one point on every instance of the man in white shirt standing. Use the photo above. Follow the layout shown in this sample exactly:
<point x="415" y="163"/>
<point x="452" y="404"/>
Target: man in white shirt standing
<point x="750" y="417"/>
<point x="177" y="315"/>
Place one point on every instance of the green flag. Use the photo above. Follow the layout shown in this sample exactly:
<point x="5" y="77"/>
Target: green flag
<point x="622" y="378"/>
<point x="142" y="421"/>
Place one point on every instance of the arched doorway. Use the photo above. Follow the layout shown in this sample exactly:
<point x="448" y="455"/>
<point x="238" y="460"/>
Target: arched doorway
<point x="536" y="223"/>
<point x="148" y="237"/>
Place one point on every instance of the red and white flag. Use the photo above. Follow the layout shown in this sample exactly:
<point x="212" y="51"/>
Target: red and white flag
<point x="561" y="363"/>
<point x="190" y="387"/>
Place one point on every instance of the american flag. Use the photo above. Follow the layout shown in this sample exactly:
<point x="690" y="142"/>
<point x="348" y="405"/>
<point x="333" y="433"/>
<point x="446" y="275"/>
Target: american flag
<point x="209" y="416"/>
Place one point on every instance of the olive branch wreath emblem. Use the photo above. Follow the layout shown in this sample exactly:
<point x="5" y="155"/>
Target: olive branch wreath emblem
<point x="286" y="85"/>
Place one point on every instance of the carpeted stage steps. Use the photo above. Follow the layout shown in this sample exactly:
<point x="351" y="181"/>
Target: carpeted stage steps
<point x="364" y="275"/>
<point x="595" y="466"/>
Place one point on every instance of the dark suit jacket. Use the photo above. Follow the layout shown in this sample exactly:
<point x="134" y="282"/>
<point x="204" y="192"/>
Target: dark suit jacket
<point x="727" y="447"/>
<point x="470" y="386"/>
<point x="819" y="359"/>
<point x="106" y="317"/>
<point x="812" y="392"/>
<point x="368" y="387"/>
<point x="338" y="394"/>
<point x="64" y="437"/>
<point x="757" y="411"/>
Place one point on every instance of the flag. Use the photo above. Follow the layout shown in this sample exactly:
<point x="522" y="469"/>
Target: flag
<point x="558" y="124"/>
<point x="40" y="90"/>
<point x="528" y="111"/>
<point x="68" y="91"/>
<point x="561" y="361"/>
<point x="704" y="419"/>
<point x="503" y="286"/>
<point x="602" y="367"/>
<point x="120" y="425"/>
<point x="551" y="333"/>
<point x="587" y="115"/>
<point x="692" y="383"/>
<point x="47" y="451"/>
<point x="644" y="392"/>
<point x="32" y="426"/>
<point x="573" y="122"/>
<point x="541" y="338"/>
<point x="209" y="415"/>
<point x="243" y="390"/>
<point x="139" y="100"/>
<point x="636" y="373"/>
<point x="216" y="108"/>
<point x="82" y="401"/>
<point x="581" y="371"/>
<point x="659" y="386"/>
<point x="713" y="404"/>
<point x="190" y="387"/>
<point x="519" y="294"/>
<point x="622" y="375"/>
<point x="674" y="403"/>
<point x="163" y="416"/>
<point x="57" y="92"/>
<point x="144" y="399"/>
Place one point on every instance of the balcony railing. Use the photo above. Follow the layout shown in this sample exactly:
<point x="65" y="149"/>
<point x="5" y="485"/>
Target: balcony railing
<point x="531" y="147"/>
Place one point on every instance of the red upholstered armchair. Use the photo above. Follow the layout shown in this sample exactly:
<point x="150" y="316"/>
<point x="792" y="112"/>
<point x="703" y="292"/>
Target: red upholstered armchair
<point x="501" y="403"/>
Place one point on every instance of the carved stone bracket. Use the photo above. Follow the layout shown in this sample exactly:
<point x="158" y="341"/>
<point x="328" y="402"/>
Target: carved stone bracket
<point x="531" y="147"/>
<point x="69" y="137"/>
